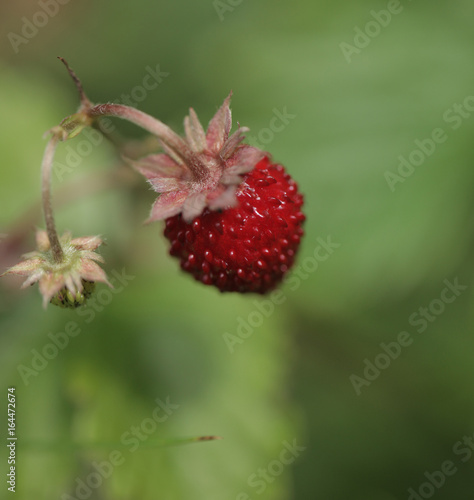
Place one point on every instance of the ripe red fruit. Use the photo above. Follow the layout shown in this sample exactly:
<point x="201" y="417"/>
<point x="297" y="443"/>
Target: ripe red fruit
<point x="233" y="218"/>
<point x="247" y="248"/>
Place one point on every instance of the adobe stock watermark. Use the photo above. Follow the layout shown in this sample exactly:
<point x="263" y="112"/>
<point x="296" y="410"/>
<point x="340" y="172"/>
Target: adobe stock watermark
<point x="57" y="342"/>
<point x="463" y="451"/>
<point x="391" y="351"/>
<point x="31" y="27"/>
<point x="264" y="308"/>
<point x="372" y="29"/>
<point x="130" y="442"/>
<point x="264" y="476"/>
<point x="454" y="117"/>
<point x="223" y="6"/>
<point x="91" y="138"/>
<point x="279" y="121"/>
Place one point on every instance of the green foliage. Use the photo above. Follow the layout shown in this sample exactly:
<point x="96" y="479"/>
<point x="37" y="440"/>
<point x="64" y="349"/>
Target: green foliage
<point x="163" y="335"/>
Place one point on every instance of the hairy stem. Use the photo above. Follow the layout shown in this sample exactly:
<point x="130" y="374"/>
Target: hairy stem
<point x="155" y="127"/>
<point x="46" y="169"/>
<point x="172" y="143"/>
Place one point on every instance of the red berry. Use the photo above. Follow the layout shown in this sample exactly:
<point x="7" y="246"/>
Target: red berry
<point x="233" y="218"/>
<point x="248" y="248"/>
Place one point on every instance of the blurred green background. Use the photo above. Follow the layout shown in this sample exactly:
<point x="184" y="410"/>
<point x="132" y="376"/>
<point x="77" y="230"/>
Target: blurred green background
<point x="298" y="375"/>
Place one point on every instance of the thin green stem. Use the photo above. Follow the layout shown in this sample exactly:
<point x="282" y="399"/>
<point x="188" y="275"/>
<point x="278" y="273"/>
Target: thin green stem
<point x="46" y="169"/>
<point x="64" y="445"/>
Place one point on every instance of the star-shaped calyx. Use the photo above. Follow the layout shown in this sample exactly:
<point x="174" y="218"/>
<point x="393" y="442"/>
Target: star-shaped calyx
<point x="201" y="170"/>
<point x="67" y="283"/>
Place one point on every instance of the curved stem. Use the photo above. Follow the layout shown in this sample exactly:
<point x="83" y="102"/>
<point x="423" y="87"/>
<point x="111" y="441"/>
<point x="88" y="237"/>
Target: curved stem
<point x="155" y="127"/>
<point x="143" y="120"/>
<point x="46" y="169"/>
<point x="172" y="143"/>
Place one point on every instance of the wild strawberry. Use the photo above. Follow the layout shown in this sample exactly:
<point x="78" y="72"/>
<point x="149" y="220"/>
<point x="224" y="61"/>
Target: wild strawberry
<point x="232" y="216"/>
<point x="250" y="247"/>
